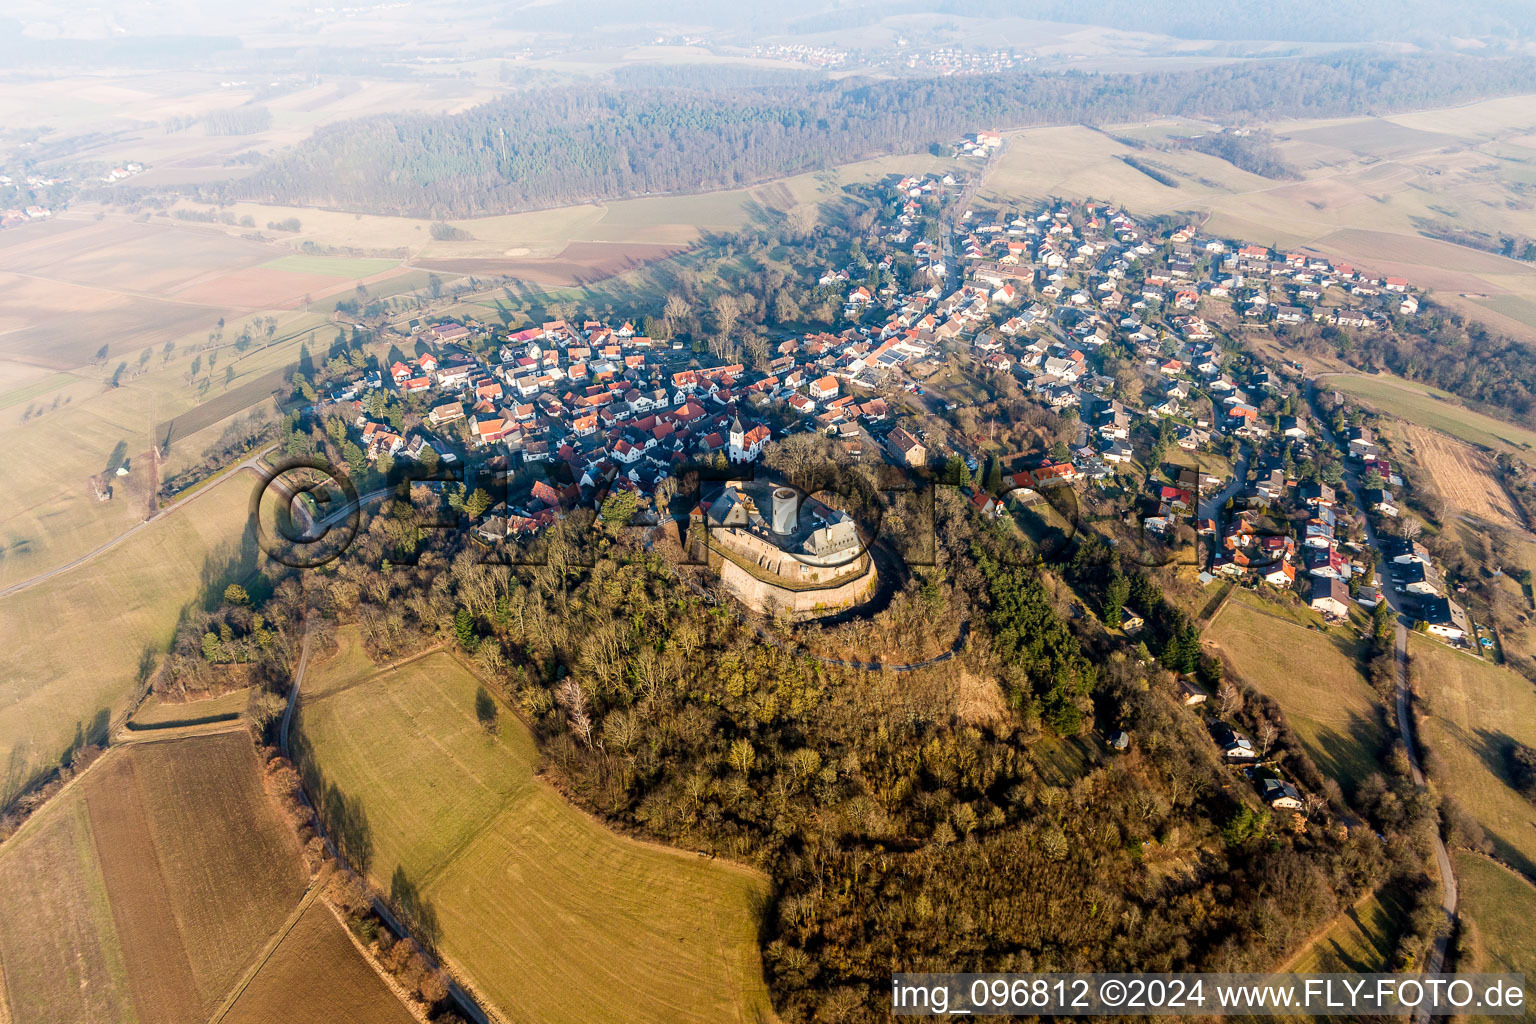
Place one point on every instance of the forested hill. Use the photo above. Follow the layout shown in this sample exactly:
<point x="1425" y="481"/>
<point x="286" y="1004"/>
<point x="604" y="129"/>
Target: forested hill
<point x="548" y="148"/>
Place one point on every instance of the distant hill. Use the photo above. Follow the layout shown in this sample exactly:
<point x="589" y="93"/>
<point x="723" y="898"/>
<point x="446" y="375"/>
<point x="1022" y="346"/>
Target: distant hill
<point x="682" y="130"/>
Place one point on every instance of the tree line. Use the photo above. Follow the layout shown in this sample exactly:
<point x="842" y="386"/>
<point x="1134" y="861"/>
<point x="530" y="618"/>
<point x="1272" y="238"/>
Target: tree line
<point x="543" y="148"/>
<point x="903" y="828"/>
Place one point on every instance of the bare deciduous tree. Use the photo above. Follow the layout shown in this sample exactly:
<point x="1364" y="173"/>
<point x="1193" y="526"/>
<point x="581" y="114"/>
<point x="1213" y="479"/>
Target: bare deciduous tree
<point x="573" y="700"/>
<point x="727" y="313"/>
<point x="1228" y="699"/>
<point x="1267" y="734"/>
<point x="676" y="310"/>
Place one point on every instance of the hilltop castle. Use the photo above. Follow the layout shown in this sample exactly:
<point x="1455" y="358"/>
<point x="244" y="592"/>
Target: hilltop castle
<point x="804" y="556"/>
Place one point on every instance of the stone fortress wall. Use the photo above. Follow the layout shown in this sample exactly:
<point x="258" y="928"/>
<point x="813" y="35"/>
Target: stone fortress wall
<point x="764" y="597"/>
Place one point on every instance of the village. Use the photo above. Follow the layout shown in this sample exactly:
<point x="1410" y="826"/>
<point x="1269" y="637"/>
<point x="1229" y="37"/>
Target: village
<point x="1053" y="299"/>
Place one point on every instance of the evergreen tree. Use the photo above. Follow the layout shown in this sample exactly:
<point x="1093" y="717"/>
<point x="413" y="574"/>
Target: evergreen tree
<point x="1114" y="599"/>
<point x="464" y="630"/>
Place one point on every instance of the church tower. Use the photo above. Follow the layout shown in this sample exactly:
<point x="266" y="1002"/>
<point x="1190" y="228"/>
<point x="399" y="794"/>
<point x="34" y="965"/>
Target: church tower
<point x="738" y="440"/>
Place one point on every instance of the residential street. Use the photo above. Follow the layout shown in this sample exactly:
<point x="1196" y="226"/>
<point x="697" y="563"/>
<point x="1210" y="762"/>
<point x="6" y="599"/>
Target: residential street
<point x="1211" y="507"/>
<point x="1404" y="720"/>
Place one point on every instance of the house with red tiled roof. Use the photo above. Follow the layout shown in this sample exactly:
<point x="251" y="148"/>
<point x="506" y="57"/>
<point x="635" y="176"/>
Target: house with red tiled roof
<point x="488" y="431"/>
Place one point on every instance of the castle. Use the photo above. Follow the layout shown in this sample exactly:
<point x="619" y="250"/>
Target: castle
<point x="805" y="555"/>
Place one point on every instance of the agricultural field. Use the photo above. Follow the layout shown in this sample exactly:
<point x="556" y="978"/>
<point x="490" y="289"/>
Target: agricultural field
<point x="1360" y="941"/>
<point x="49" y="513"/>
<point x="1464" y="477"/>
<point x="1080" y="161"/>
<point x="316" y="976"/>
<point x="1432" y="408"/>
<point x="157" y="719"/>
<point x="77" y="642"/>
<point x="331" y="266"/>
<point x="1471" y="710"/>
<point x="595" y="236"/>
<point x="142" y="891"/>
<point x="1315" y="678"/>
<point x="1374" y="136"/>
<point x="1500" y="906"/>
<point x="549" y="915"/>
<point x="127" y="115"/>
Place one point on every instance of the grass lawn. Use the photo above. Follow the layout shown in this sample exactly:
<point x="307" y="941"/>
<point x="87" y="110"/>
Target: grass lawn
<point x="1315" y="679"/>
<point x="1430" y="407"/>
<point x="75" y="643"/>
<point x="1361" y="940"/>
<point x="1473" y="708"/>
<point x="331" y="266"/>
<point x="550" y="915"/>
<point x="1500" y="906"/>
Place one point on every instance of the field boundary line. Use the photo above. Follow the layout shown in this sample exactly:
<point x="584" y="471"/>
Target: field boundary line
<point x="392" y="983"/>
<point x="543" y="779"/>
<point x="1490" y="858"/>
<point x="273" y="941"/>
<point x="379" y="670"/>
<point x="131" y="738"/>
<point x="1286" y="966"/>
<point x="43" y="808"/>
<point x="5" y="1005"/>
<point x="170" y="509"/>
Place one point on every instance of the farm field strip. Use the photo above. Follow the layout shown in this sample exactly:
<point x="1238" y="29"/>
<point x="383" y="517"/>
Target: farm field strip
<point x="1497" y="907"/>
<point x="316" y="976"/>
<point x="160" y="978"/>
<point x="549" y="915"/>
<point x="1464" y="476"/>
<point x="58" y="950"/>
<point x="1430" y="407"/>
<point x="331" y="266"/>
<point x="76" y="640"/>
<point x="1472" y="710"/>
<point x="158" y="876"/>
<point x="1361" y="940"/>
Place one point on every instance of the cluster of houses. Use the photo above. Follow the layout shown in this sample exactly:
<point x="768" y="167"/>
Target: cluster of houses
<point x="122" y="172"/>
<point x="1035" y="296"/>
<point x="17" y="215"/>
<point x="617" y="409"/>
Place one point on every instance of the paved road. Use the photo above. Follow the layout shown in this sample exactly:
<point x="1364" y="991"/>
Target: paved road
<point x="1448" y="898"/>
<point x="1211" y="507"/>
<point x="253" y="462"/>
<point x="293" y="691"/>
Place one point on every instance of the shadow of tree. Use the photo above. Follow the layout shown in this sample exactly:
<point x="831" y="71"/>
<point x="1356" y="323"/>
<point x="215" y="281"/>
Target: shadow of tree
<point x="1495" y="749"/>
<point x="416" y="911"/>
<point x="343" y="817"/>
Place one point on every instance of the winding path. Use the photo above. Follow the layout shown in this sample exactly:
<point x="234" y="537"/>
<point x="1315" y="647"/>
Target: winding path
<point x="250" y="462"/>
<point x="1448" y="897"/>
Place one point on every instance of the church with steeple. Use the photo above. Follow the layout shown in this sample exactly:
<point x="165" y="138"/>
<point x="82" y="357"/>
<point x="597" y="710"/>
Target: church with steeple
<point x="746" y="445"/>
